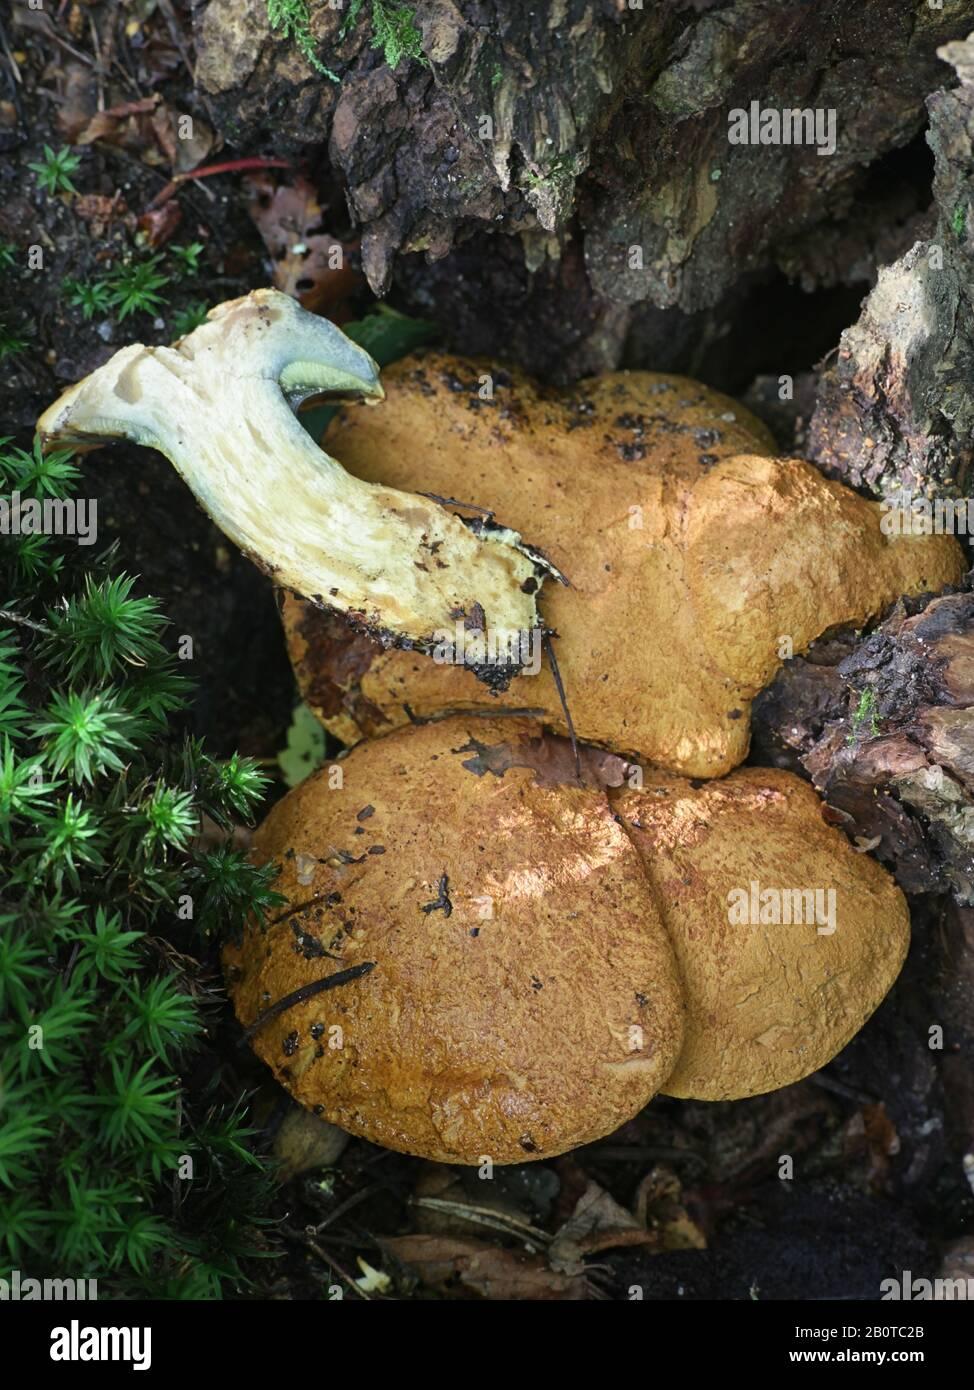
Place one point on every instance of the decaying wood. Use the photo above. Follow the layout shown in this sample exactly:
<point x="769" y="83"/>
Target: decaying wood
<point x="563" y="137"/>
<point x="884" y="725"/>
<point x="896" y="410"/>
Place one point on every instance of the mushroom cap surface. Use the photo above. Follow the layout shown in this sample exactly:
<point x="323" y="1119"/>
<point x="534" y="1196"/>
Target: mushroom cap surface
<point x="767" y="1002"/>
<point x="691" y="554"/>
<point x="524" y="998"/>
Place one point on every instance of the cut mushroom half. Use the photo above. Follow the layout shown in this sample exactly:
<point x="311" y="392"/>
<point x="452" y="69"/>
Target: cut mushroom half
<point x="219" y="405"/>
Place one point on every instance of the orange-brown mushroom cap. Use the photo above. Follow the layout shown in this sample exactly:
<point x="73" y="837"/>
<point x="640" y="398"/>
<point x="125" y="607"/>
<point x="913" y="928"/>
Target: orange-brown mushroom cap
<point x="524" y="997"/>
<point x="697" y="562"/>
<point x="775" y="984"/>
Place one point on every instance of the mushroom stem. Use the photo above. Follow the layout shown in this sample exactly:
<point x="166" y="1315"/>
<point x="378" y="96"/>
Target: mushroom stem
<point x="219" y="403"/>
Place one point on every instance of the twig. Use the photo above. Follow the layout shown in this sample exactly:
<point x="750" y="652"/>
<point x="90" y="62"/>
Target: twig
<point x="341" y="977"/>
<point x="333" y="1264"/>
<point x="505" y="712"/>
<point x="231" y="166"/>
<point x="100" y="65"/>
<point x="9" y="56"/>
<point x="176" y="34"/>
<point x="124" y="63"/>
<point x="348" y="1204"/>
<point x="293" y="908"/>
<point x="455" y="502"/>
<point x="61" y="43"/>
<point x="11" y="617"/>
<point x="839" y="1088"/>
<point x="482" y="1216"/>
<point x="556" y="677"/>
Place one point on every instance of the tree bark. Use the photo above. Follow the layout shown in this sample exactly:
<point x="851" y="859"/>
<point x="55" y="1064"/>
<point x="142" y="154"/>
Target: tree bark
<point x="584" y="147"/>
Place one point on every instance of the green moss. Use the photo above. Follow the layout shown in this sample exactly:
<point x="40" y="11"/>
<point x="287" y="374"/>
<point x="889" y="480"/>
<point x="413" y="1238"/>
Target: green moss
<point x="864" y="720"/>
<point x="123" y="1153"/>
<point x="290" y="17"/>
<point x="394" y="30"/>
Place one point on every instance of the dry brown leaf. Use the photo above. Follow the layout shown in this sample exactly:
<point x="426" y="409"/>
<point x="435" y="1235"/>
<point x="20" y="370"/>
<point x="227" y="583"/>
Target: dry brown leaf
<point x="126" y="125"/>
<point x="160" y="223"/>
<point x="163" y="130"/>
<point x="309" y="265"/>
<point x="153" y="131"/>
<point x="870" y="1133"/>
<point x="185" y="143"/>
<point x="484" y="1269"/>
<point x="659" y="1207"/>
<point x="597" y="1223"/>
<point x="100" y="212"/>
<point x="80" y="100"/>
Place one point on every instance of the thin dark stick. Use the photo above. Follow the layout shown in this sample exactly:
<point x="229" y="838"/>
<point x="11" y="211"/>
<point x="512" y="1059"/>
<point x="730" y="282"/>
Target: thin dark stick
<point x="505" y="712"/>
<point x="9" y="616"/>
<point x="556" y="676"/>
<point x="341" y="977"/>
<point x="455" y="502"/>
<point x="348" y="1204"/>
<point x="14" y="69"/>
<point x="332" y="1263"/>
<point x="828" y="1083"/>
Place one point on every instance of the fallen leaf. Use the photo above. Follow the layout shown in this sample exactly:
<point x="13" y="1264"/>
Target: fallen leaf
<point x="871" y="1134"/>
<point x="80" y="100"/>
<point x="658" y="1206"/>
<point x="305" y="749"/>
<point x="100" y="211"/>
<point x="309" y="265"/>
<point x="387" y="335"/>
<point x="452" y="1201"/>
<point x="597" y="1223"/>
<point x="484" y="1269"/>
<point x="119" y="125"/>
<point x="187" y="141"/>
<point x="164" y="132"/>
<point x="160" y="223"/>
<point x="152" y="130"/>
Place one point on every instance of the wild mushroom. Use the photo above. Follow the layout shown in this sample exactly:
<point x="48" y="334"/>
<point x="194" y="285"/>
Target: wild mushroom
<point x="524" y="997"/>
<point x="477" y="955"/>
<point x="696" y="561"/>
<point x="218" y="405"/>
<point x="787" y="938"/>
